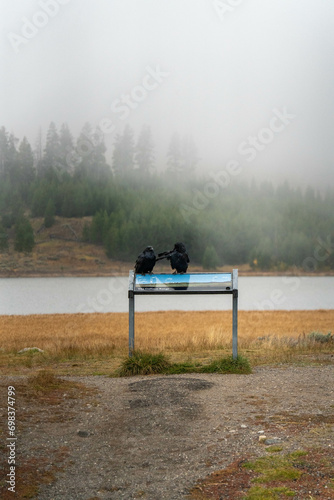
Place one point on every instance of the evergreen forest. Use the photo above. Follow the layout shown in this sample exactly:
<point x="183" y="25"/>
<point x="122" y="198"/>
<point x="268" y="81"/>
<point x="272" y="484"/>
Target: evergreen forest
<point x="133" y="205"/>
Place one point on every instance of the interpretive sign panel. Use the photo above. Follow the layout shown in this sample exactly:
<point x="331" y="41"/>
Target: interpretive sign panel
<point x="169" y="283"/>
<point x="190" y="283"/>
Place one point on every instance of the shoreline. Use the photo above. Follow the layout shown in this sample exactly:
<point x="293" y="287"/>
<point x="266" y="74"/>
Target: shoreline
<point x="179" y="312"/>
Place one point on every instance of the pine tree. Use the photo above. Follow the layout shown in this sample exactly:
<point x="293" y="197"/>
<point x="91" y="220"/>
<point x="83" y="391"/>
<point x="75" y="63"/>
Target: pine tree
<point x="9" y="167"/>
<point x="188" y="154"/>
<point x="174" y="156"/>
<point x="99" y="227"/>
<point x="210" y="258"/>
<point x="66" y="147"/>
<point x="3" y="150"/>
<point x="26" y="163"/>
<point x="182" y="154"/>
<point x="123" y="155"/>
<point x="51" y="166"/>
<point x="3" y="238"/>
<point x="52" y="148"/>
<point x="102" y="170"/>
<point x="38" y="153"/>
<point x="144" y="156"/>
<point x="90" y="151"/>
<point x="49" y="218"/>
<point x="11" y="164"/>
<point x="24" y="236"/>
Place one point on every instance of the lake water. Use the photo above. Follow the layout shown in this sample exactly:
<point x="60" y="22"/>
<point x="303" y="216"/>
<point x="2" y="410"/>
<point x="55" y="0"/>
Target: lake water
<point x="72" y="295"/>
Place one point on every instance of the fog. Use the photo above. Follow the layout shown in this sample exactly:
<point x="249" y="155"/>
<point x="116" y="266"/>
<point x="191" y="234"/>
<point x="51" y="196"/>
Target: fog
<point x="250" y="81"/>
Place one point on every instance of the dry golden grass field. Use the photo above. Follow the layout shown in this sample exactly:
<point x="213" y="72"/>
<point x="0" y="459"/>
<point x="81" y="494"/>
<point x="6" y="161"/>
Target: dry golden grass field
<point x="95" y="343"/>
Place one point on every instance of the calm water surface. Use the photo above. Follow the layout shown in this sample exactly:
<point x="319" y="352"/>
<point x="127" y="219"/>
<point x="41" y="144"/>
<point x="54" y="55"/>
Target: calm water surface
<point x="72" y="295"/>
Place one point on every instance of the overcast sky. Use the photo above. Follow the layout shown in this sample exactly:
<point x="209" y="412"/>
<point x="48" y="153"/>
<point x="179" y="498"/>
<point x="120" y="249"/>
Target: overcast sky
<point x="250" y="80"/>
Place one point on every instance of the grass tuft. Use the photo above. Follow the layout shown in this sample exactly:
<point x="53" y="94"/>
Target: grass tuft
<point x="186" y="367"/>
<point x="144" y="363"/>
<point x="260" y="493"/>
<point x="44" y="381"/>
<point x="240" y="365"/>
<point x="274" y="468"/>
<point x="274" y="449"/>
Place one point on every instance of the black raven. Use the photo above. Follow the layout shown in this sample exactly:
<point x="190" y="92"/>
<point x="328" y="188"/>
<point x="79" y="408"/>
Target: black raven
<point x="178" y="258"/>
<point x="145" y="261"/>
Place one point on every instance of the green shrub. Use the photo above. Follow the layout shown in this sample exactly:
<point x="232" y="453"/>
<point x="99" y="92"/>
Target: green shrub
<point x="210" y="258"/>
<point x="24" y="236"/>
<point x="49" y="218"/>
<point x="321" y="337"/>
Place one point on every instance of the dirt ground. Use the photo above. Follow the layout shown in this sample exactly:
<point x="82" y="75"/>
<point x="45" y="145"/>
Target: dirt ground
<point x="170" y="437"/>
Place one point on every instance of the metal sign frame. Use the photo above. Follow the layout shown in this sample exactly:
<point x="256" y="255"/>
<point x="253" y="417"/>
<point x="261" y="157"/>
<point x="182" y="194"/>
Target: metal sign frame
<point x="191" y="283"/>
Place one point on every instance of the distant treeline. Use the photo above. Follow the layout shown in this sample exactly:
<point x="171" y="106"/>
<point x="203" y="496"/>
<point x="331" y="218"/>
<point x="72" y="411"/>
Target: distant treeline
<point x="132" y="207"/>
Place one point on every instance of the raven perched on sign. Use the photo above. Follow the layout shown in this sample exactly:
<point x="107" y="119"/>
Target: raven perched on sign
<point x="145" y="261"/>
<point x="178" y="258"/>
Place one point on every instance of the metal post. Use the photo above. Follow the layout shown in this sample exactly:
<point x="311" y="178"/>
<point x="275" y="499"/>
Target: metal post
<point x="131" y="323"/>
<point x="131" y="313"/>
<point x="235" y="315"/>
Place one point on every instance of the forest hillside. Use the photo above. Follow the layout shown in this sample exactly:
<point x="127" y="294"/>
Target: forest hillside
<point x="117" y="212"/>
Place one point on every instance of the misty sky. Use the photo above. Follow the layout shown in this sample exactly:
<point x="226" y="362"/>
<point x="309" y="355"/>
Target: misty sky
<point x="250" y="80"/>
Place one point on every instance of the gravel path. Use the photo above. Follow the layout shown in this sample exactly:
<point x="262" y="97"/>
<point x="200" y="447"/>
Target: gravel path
<point x="154" y="437"/>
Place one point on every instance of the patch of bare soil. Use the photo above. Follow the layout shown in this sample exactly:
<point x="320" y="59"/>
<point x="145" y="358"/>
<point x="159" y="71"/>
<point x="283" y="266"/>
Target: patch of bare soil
<point x="170" y="437"/>
<point x="59" y="251"/>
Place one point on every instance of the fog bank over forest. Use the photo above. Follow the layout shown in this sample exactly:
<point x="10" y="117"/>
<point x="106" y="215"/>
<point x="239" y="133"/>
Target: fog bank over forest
<point x="128" y="205"/>
<point x="244" y="82"/>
